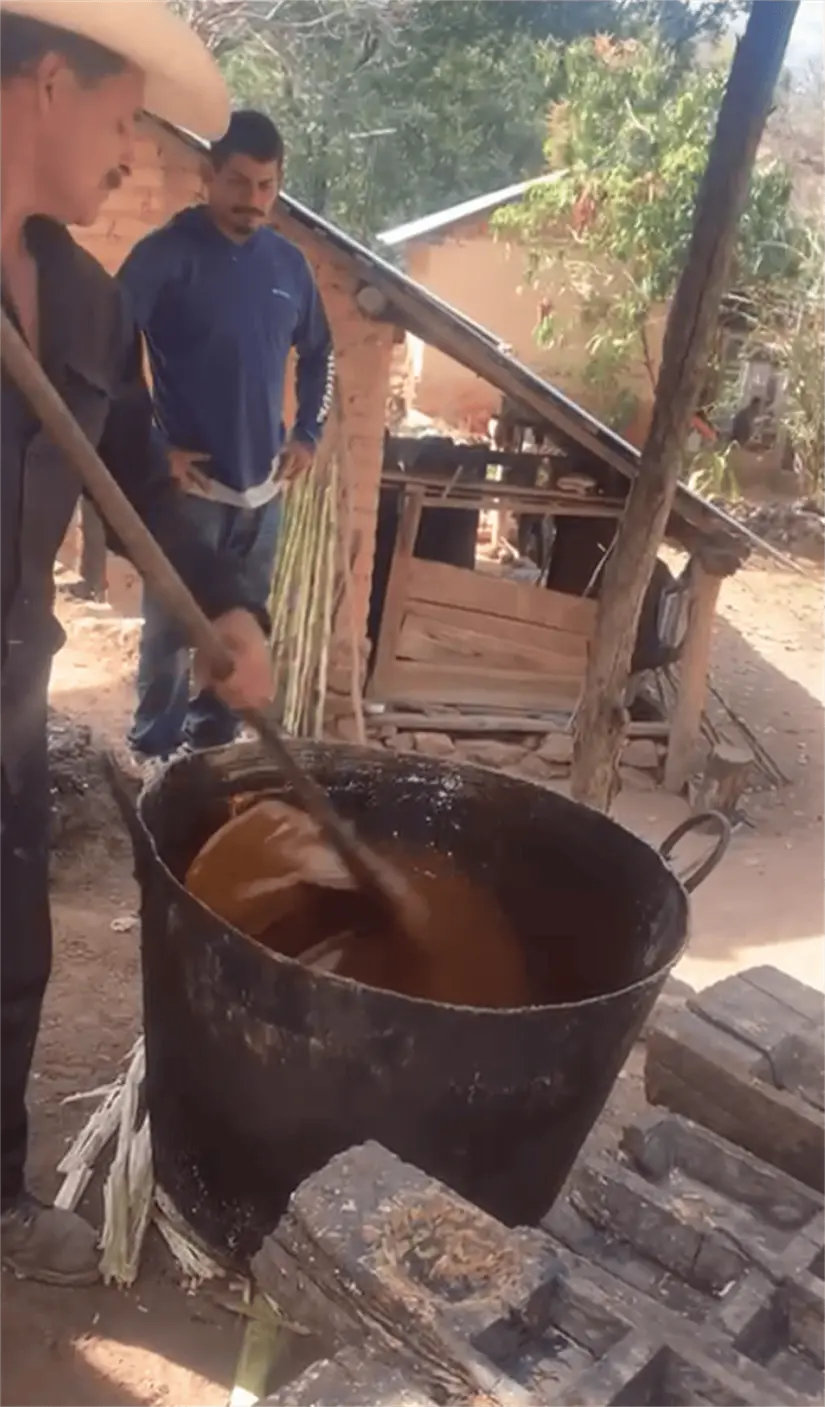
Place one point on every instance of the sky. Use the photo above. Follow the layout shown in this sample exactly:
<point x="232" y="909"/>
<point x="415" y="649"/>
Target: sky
<point x="807" y="42"/>
<point x="808" y="34"/>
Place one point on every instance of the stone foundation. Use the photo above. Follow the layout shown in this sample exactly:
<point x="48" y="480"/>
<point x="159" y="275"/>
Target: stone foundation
<point x="538" y="757"/>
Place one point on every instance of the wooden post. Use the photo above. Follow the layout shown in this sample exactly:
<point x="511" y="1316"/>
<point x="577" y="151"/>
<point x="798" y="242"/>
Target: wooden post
<point x="688" y="341"/>
<point x="392" y="616"/>
<point x="727" y="773"/>
<point x="686" y="722"/>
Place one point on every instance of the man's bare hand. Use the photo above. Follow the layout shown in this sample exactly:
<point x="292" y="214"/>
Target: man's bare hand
<point x="296" y="460"/>
<point x="251" y="683"/>
<point x="183" y="466"/>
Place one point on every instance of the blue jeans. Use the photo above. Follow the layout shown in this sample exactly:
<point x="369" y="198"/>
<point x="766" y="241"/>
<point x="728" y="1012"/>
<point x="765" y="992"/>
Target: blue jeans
<point x="166" y="716"/>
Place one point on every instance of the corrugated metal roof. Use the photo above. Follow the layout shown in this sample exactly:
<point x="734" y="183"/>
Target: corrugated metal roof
<point x="454" y="214"/>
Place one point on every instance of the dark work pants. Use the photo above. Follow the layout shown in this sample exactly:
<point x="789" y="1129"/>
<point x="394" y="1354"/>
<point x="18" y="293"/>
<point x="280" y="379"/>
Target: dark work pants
<point x="166" y="716"/>
<point x="25" y="922"/>
<point x="92" y="549"/>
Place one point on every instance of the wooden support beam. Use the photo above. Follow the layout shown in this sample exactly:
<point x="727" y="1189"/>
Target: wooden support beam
<point x="395" y="600"/>
<point x="686" y="721"/>
<point x="688" y="343"/>
<point x="374" y="304"/>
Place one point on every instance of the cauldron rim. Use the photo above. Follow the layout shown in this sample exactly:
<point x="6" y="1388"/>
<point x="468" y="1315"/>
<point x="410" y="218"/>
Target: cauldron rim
<point x="257" y="761"/>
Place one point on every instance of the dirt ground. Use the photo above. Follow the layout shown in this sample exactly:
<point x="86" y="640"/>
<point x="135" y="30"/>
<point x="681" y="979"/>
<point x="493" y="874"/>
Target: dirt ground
<point x="765" y="904"/>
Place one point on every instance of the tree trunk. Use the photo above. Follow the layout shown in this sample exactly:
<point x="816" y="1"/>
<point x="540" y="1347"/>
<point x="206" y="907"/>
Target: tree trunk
<point x="688" y="341"/>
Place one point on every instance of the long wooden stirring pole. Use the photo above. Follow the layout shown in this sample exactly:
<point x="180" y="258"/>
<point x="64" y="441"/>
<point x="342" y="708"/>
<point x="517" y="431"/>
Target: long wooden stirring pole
<point x="380" y="880"/>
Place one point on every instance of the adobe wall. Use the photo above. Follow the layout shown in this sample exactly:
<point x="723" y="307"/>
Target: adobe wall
<point x="486" y="278"/>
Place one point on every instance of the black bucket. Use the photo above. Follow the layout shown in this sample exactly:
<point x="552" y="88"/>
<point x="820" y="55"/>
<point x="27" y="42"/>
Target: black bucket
<point x="260" y="1069"/>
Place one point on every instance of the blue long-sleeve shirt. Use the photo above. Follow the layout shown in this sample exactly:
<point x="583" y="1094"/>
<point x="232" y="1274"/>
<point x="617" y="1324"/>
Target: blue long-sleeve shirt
<point x="220" y="319"/>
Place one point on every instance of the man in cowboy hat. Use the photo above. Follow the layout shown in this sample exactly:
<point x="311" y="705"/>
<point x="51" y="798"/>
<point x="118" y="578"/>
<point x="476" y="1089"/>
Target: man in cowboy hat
<point x="74" y="76"/>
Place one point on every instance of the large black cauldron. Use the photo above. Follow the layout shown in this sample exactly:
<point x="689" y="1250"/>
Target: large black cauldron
<point x="259" y="1070"/>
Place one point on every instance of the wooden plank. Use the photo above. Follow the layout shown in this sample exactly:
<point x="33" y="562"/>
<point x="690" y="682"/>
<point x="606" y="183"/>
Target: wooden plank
<point x="397" y="592"/>
<point x="759" y="1018"/>
<point x="430" y="643"/>
<point x="472" y="684"/>
<point x="552" y="497"/>
<point x="686" y="721"/>
<point x="520" y="633"/>
<point x="806" y="1001"/>
<point x="758" y="1013"/>
<point x="446" y="721"/>
<point x="456" y="586"/>
<point x="714" y="1078"/>
<point x="488" y="494"/>
<point x="517" y="506"/>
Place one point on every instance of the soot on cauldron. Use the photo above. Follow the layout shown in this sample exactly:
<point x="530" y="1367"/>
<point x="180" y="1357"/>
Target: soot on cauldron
<point x="268" y="871"/>
<point x="259" y="1069"/>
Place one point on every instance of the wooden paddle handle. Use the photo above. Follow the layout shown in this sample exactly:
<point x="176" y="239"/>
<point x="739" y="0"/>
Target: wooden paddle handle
<point x="152" y="563"/>
<point x="156" y="569"/>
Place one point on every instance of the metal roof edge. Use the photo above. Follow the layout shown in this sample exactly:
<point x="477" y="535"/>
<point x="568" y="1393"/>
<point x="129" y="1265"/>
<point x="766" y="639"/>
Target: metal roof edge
<point x="412" y="230"/>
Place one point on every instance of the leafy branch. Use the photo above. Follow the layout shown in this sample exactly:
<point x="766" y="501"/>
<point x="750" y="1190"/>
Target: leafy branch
<point x="394" y="108"/>
<point x="629" y="146"/>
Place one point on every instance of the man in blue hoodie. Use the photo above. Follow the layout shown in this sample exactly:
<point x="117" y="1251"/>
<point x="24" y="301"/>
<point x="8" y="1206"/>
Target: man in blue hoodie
<point x="222" y="299"/>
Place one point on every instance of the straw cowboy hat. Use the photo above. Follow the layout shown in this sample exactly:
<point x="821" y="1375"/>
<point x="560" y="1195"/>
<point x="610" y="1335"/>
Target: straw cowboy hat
<point x="183" y="83"/>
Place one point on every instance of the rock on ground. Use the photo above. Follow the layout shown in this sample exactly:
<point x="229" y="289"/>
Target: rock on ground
<point x="490" y="752"/>
<point x="437" y="745"/>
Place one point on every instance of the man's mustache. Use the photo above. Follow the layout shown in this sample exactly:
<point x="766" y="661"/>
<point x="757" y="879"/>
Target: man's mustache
<point x="249" y="210"/>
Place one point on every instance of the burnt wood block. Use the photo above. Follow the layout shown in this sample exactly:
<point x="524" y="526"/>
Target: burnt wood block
<point x="637" y="1371"/>
<point x="350" y="1380"/>
<point x="746" y="1058"/>
<point x="712" y="1232"/>
<point x="391" y="1268"/>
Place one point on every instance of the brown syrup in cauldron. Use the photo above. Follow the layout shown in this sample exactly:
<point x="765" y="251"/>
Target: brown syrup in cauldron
<point x="269" y="873"/>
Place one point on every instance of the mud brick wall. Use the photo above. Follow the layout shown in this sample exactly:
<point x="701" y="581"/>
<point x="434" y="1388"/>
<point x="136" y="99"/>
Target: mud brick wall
<point x="402" y="384"/>
<point x="165" y="179"/>
<point x="421" y="1297"/>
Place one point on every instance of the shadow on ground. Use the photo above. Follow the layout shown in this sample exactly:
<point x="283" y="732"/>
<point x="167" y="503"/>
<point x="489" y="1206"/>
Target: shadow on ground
<point x="764" y="904"/>
<point x="63" y="1348"/>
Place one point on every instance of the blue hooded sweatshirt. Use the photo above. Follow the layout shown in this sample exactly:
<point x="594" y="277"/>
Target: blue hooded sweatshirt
<point x="220" y="319"/>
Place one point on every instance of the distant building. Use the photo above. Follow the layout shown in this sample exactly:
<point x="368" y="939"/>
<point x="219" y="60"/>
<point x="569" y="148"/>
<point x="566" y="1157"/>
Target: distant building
<point x="457" y="255"/>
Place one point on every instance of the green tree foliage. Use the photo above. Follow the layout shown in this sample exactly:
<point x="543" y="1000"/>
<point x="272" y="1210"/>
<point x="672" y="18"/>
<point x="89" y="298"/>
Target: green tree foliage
<point x="393" y="108"/>
<point x="316" y="76"/>
<point x="390" y="110"/>
<point x="788" y="329"/>
<point x="628" y="143"/>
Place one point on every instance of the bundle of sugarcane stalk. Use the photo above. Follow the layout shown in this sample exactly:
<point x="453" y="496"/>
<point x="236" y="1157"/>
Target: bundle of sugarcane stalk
<point x="131" y="1200"/>
<point x="303" y="587"/>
